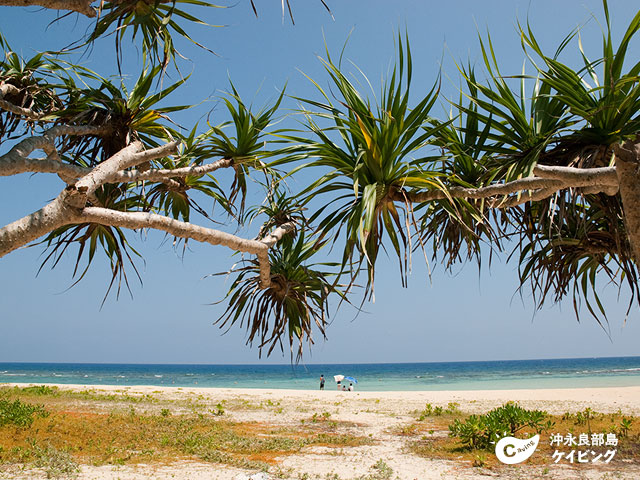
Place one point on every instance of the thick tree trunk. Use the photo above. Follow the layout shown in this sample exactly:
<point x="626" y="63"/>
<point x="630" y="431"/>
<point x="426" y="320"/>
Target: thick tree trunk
<point x="627" y="160"/>
<point x="27" y="229"/>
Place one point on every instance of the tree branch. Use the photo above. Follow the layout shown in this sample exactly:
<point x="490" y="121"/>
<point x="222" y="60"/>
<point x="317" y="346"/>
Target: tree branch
<point x="274" y="237"/>
<point x="137" y="220"/>
<point x="7" y="88"/>
<point x="20" y="164"/>
<point x="31" y="227"/>
<point x="177" y="228"/>
<point x="80" y="6"/>
<point x="529" y="183"/>
<point x="15" y="160"/>
<point x="130" y="156"/>
<point x="158" y="175"/>
<point x="600" y="176"/>
<point x="547" y="181"/>
<point x="524" y="197"/>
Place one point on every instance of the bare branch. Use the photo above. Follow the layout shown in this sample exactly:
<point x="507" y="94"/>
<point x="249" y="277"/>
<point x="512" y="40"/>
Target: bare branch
<point x="529" y="183"/>
<point x="80" y="6"/>
<point x="159" y="175"/>
<point x="137" y="220"/>
<point x="7" y="88"/>
<point x="548" y="181"/>
<point x="44" y="142"/>
<point x="600" y="176"/>
<point x="19" y="164"/>
<point x="23" y="231"/>
<point x="177" y="228"/>
<point x="524" y="197"/>
<point x="15" y="161"/>
<point x="274" y="237"/>
<point x="130" y="156"/>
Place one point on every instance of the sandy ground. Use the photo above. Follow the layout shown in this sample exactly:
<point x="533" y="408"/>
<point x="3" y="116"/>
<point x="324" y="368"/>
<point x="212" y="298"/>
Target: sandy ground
<point x="373" y="414"/>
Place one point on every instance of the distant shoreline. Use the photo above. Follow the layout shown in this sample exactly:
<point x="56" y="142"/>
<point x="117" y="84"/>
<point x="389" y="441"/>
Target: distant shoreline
<point x="440" y="376"/>
<point x="603" y="399"/>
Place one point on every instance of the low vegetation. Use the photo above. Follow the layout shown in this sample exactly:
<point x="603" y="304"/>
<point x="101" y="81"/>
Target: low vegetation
<point x="483" y="431"/>
<point x="66" y="429"/>
<point x="19" y="414"/>
<point x="59" y="430"/>
<point x="442" y="433"/>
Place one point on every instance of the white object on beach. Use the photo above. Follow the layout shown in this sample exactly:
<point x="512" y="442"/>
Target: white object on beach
<point x="338" y="378"/>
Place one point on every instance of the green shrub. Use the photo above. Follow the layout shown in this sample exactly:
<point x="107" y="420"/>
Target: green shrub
<point x="219" y="411"/>
<point x="452" y="408"/>
<point x="41" y="390"/>
<point x="19" y="413"/>
<point x="56" y="463"/>
<point x="483" y="431"/>
<point x="625" y="426"/>
<point x="430" y="411"/>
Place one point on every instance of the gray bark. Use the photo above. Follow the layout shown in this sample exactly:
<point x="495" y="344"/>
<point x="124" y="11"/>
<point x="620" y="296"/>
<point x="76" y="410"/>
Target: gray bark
<point x="80" y="6"/>
<point x="546" y="182"/>
<point x="27" y="229"/>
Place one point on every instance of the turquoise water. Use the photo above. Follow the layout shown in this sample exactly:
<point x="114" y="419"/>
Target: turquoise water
<point x="490" y="375"/>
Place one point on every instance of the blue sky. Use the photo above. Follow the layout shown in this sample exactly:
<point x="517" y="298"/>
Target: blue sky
<point x="464" y="315"/>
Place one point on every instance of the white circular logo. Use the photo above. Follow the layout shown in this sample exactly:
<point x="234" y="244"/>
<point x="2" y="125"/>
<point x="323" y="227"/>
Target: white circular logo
<point x="512" y="450"/>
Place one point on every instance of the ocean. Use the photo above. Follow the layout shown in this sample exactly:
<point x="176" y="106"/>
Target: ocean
<point x="487" y="375"/>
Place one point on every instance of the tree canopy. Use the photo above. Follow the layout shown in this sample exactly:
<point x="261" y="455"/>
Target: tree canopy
<point x="545" y="159"/>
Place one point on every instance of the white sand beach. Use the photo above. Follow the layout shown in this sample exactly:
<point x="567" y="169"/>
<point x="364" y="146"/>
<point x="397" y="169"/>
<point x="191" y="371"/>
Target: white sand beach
<point x="373" y="414"/>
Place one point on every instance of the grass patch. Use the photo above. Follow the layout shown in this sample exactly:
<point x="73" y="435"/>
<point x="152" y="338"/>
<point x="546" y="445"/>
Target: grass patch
<point x="19" y="413"/>
<point x="430" y="438"/>
<point x="72" y="428"/>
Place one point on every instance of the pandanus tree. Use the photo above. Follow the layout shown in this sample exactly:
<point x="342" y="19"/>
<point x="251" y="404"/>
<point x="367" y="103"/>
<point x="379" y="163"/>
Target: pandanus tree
<point x="125" y="166"/>
<point x="542" y="163"/>
<point x="546" y="158"/>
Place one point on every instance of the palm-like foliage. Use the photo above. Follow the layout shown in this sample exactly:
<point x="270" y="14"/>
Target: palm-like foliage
<point x="246" y="147"/>
<point x="278" y="209"/>
<point x="154" y="20"/>
<point x="576" y="240"/>
<point x="452" y="225"/>
<point x="370" y="152"/>
<point x="608" y="107"/>
<point x="570" y="242"/>
<point x="35" y="81"/>
<point x="516" y="131"/>
<point x="296" y="303"/>
<point x="127" y="116"/>
<point x="570" y="237"/>
<point x="500" y="136"/>
<point x="174" y="196"/>
<point x="89" y="238"/>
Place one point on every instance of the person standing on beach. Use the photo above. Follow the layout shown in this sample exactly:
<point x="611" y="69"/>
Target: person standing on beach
<point x="321" y="382"/>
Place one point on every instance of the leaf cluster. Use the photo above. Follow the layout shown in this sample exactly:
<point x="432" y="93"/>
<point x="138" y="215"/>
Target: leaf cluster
<point x="19" y="413"/>
<point x="481" y="432"/>
<point x="296" y="303"/>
